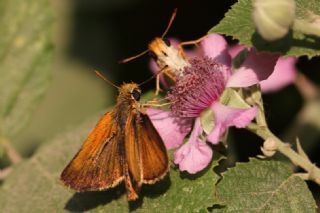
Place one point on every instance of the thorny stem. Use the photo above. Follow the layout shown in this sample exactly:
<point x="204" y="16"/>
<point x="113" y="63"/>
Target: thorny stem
<point x="308" y="26"/>
<point x="256" y="96"/>
<point x="299" y="159"/>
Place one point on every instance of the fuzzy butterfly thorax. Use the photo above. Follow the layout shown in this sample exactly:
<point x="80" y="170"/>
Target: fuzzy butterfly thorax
<point x="127" y="101"/>
<point x="165" y="54"/>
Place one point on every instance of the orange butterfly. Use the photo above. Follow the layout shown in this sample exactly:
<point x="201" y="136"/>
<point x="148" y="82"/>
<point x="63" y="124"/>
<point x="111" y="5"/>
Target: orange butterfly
<point x="124" y="146"/>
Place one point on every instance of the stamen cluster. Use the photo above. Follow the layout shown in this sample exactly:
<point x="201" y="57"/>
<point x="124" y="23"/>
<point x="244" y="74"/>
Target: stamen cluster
<point x="198" y="87"/>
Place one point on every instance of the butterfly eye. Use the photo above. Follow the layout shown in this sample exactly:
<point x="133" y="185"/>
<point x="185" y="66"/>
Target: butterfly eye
<point x="167" y="42"/>
<point x="153" y="55"/>
<point x="135" y="94"/>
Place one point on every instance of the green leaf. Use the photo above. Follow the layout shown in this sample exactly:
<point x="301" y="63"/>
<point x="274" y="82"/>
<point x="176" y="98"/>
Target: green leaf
<point x="232" y="98"/>
<point x="263" y="186"/>
<point x="239" y="59"/>
<point x="238" y="24"/>
<point x="33" y="185"/>
<point x="25" y="60"/>
<point x="207" y="120"/>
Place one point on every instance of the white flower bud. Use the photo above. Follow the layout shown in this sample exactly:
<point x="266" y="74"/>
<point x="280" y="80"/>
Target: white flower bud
<point x="269" y="147"/>
<point x="270" y="144"/>
<point x="267" y="153"/>
<point x="273" y="18"/>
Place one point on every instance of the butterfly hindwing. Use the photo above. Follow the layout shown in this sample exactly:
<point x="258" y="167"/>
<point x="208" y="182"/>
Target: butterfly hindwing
<point x="153" y="153"/>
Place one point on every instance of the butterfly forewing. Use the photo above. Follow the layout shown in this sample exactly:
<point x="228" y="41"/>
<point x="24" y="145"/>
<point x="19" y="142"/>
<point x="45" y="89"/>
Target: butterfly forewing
<point x="153" y="154"/>
<point x="97" y="165"/>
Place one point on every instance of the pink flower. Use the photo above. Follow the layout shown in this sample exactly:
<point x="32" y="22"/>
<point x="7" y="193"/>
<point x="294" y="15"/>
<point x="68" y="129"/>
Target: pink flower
<point x="283" y="74"/>
<point x="194" y="155"/>
<point x="199" y="88"/>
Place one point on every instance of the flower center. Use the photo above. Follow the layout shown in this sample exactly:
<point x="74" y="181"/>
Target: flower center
<point x="198" y="87"/>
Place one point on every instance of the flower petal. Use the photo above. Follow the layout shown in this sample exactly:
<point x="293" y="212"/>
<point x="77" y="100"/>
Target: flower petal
<point x="188" y="53"/>
<point x="171" y="129"/>
<point x="256" y="67"/>
<point x="194" y="155"/>
<point x="284" y="74"/>
<point x="215" y="46"/>
<point x="235" y="50"/>
<point x="226" y="116"/>
<point x="174" y="42"/>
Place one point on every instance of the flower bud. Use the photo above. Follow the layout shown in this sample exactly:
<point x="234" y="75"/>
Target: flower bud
<point x="269" y="147"/>
<point x="273" y="18"/>
<point x="270" y="144"/>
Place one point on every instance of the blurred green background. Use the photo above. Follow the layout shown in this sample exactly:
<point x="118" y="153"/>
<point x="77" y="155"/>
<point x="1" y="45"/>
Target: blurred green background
<point x="96" y="34"/>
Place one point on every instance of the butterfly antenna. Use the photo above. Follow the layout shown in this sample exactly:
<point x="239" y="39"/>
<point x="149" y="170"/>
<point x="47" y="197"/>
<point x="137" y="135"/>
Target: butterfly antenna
<point x="105" y="79"/>
<point x="133" y="57"/>
<point x="170" y="23"/>
<point x="146" y="51"/>
<point x="152" y="77"/>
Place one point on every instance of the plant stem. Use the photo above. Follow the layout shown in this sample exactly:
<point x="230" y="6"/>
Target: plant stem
<point x="261" y="129"/>
<point x="285" y="149"/>
<point x="256" y="96"/>
<point x="307" y="26"/>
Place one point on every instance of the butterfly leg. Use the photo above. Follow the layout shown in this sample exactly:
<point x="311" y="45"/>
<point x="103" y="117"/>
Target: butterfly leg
<point x="193" y="42"/>
<point x="158" y="89"/>
<point x="167" y="73"/>
<point x="158" y="100"/>
<point x="155" y="105"/>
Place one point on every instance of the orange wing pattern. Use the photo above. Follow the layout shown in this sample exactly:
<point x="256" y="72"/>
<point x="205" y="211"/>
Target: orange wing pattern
<point x="132" y="148"/>
<point x="97" y="165"/>
<point x="153" y="153"/>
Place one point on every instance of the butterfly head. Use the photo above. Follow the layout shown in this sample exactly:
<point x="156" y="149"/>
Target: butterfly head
<point x="130" y="91"/>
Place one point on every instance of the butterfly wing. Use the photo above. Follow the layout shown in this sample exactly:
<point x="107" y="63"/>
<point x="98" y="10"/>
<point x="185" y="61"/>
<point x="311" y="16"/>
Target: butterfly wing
<point x="153" y="153"/>
<point x="145" y="153"/>
<point x="98" y="164"/>
<point x="132" y="154"/>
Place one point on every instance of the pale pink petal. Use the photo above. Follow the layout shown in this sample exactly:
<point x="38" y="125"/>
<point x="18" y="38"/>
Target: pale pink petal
<point x="194" y="155"/>
<point x="216" y="47"/>
<point x="171" y="129"/>
<point x="153" y="66"/>
<point x="188" y="53"/>
<point x="226" y="116"/>
<point x="214" y="136"/>
<point x="256" y="67"/>
<point x="174" y="42"/>
<point x="235" y="50"/>
<point x="284" y="74"/>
